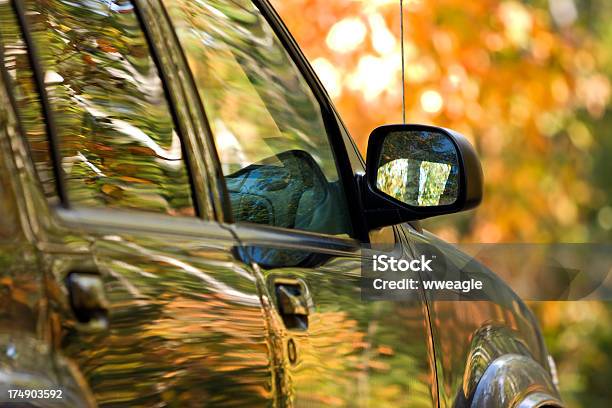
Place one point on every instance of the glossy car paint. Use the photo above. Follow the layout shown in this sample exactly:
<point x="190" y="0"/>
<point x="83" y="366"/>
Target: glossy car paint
<point x="28" y="356"/>
<point x="495" y="325"/>
<point x="352" y="352"/>
<point x="185" y="316"/>
<point x="456" y="325"/>
<point x="182" y="309"/>
<point x="194" y="318"/>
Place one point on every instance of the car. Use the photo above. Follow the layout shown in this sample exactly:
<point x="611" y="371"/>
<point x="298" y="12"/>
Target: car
<point x="186" y="220"/>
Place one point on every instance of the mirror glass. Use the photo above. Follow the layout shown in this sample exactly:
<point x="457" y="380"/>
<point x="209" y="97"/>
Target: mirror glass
<point x="419" y="168"/>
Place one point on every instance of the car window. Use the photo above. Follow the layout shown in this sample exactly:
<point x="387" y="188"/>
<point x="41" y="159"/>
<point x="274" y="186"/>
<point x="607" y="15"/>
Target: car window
<point x="29" y="110"/>
<point x="267" y="124"/>
<point x="118" y="143"/>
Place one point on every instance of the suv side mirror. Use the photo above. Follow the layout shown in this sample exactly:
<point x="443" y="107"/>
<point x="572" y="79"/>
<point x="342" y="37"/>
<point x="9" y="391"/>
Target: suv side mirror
<point x="418" y="171"/>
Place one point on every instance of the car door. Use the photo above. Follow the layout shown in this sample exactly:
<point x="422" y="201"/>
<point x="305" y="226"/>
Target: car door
<point x="291" y="200"/>
<point x="147" y="304"/>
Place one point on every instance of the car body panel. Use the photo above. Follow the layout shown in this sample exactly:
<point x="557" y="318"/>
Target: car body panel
<point x="180" y="308"/>
<point x="353" y="352"/>
<point x="27" y="357"/>
<point x="163" y="292"/>
<point x="470" y="334"/>
<point x="167" y="293"/>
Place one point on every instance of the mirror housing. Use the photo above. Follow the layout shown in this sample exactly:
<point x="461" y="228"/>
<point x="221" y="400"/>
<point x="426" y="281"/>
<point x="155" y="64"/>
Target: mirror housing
<point x="390" y="193"/>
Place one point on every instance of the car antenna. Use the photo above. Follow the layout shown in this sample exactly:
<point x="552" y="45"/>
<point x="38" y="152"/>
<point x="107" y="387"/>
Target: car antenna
<point x="403" y="70"/>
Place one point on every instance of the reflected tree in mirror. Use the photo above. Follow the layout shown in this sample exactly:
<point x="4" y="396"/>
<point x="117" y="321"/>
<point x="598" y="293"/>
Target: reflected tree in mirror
<point x="419" y="168"/>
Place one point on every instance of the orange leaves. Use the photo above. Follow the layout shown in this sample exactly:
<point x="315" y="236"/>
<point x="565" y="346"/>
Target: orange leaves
<point x="105" y="45"/>
<point x="112" y="190"/>
<point x="88" y="59"/>
<point x="501" y="71"/>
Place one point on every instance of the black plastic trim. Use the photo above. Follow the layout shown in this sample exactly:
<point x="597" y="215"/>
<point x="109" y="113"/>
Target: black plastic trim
<point x="261" y="235"/>
<point x="219" y="179"/>
<point x="154" y="52"/>
<point x="383" y="210"/>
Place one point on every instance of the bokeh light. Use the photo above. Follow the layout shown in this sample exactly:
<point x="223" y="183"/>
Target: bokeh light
<point x="431" y="101"/>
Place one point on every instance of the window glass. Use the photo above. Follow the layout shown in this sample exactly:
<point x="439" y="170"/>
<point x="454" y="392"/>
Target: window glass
<point x="17" y="64"/>
<point x="267" y="124"/>
<point x="116" y="135"/>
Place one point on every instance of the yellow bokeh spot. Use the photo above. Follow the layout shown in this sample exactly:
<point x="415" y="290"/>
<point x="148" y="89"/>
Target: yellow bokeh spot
<point x="346" y="35"/>
<point x="431" y="101"/>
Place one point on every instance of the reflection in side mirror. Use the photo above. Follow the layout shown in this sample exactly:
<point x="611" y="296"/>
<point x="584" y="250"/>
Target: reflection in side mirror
<point x="419" y="168"/>
<point x="419" y="171"/>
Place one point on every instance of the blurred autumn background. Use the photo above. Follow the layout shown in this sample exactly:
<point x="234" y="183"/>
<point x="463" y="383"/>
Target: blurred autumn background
<point x="529" y="83"/>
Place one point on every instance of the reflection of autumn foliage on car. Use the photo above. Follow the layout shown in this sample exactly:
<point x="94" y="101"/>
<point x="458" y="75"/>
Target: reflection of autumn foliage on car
<point x="370" y="351"/>
<point x="392" y="177"/>
<point x="125" y="149"/>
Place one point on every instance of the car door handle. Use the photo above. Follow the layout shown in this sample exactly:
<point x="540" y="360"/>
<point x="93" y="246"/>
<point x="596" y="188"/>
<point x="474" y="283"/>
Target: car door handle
<point x="292" y="302"/>
<point x="88" y="300"/>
